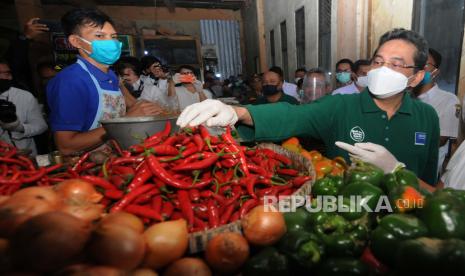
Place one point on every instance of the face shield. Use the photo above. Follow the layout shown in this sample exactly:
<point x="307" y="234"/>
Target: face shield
<point x="312" y="89"/>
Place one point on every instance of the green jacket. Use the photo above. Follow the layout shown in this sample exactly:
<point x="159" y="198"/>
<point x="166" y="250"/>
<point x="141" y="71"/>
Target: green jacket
<point x="411" y="135"/>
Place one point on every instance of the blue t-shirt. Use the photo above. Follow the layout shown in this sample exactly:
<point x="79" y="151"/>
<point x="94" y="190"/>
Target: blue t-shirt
<point x="73" y="98"/>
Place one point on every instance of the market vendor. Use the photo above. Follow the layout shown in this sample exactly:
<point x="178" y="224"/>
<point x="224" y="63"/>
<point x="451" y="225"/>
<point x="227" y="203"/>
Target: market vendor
<point x="88" y="91"/>
<point x="400" y="127"/>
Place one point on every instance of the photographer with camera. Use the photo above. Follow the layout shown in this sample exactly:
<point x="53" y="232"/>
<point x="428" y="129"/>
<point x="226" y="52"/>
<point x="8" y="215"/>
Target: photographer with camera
<point x="20" y="113"/>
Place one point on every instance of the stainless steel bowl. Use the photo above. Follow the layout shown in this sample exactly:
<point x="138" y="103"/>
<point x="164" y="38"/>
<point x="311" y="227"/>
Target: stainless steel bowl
<point x="129" y="131"/>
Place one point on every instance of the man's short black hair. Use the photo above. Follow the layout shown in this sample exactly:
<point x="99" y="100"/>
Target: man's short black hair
<point x="436" y="56"/>
<point x="147" y="61"/>
<point x="300" y="70"/>
<point x="421" y="55"/>
<point x="4" y="61"/>
<point x="75" y="19"/>
<point x="361" y="62"/>
<point x="277" y="70"/>
<point x="185" y="66"/>
<point x="128" y="62"/>
<point x="348" y="61"/>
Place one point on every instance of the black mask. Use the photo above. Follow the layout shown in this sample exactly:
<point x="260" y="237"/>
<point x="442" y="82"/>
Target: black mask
<point x="270" y="90"/>
<point x="5" y="85"/>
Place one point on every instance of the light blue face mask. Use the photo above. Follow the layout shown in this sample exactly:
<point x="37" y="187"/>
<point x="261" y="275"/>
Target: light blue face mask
<point x="104" y="51"/>
<point x="343" y="77"/>
<point x="428" y="78"/>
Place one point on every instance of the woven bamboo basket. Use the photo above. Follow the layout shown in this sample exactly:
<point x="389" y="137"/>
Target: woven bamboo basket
<point x="198" y="240"/>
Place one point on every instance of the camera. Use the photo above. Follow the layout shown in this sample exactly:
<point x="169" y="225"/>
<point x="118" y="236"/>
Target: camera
<point x="7" y="111"/>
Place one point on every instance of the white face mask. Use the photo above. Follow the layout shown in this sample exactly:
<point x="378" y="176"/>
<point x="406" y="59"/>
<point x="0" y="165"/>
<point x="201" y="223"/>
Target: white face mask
<point x="362" y="81"/>
<point x="384" y="82"/>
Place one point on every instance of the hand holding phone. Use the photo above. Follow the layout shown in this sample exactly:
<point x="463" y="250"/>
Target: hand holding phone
<point x="33" y="28"/>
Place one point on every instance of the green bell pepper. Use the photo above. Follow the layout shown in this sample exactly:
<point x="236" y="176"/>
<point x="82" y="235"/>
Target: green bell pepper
<point x="342" y="267"/>
<point x="328" y="185"/>
<point x="459" y="194"/>
<point x="298" y="220"/>
<point x="402" y="177"/>
<point x="391" y="230"/>
<point x="267" y="262"/>
<point x="369" y="193"/>
<point x="444" y="215"/>
<point x="340" y="237"/>
<point x="301" y="247"/>
<point x="431" y="256"/>
<point x="365" y="172"/>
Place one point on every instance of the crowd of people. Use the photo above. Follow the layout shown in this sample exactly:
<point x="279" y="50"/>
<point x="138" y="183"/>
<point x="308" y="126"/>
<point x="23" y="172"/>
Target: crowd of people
<point x="388" y="100"/>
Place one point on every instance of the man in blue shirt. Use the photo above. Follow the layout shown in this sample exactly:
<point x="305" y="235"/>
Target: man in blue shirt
<point x="88" y="91"/>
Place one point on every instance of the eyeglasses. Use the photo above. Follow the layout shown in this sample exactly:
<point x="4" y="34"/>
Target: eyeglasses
<point x="396" y="65"/>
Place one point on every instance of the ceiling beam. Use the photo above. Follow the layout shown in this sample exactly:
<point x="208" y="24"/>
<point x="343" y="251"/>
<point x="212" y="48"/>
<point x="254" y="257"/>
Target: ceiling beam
<point x="170" y="5"/>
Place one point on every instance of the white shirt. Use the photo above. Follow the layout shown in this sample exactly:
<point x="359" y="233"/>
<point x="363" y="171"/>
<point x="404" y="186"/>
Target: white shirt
<point x="454" y="174"/>
<point x="30" y="116"/>
<point x="186" y="98"/>
<point x="147" y="79"/>
<point x="346" y="90"/>
<point x="290" y="89"/>
<point x="163" y="85"/>
<point x="445" y="104"/>
<point x="152" y="93"/>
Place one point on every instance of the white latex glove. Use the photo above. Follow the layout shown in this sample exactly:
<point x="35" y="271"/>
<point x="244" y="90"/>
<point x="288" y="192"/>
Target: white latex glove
<point x="176" y="78"/>
<point x="374" y="154"/>
<point x="211" y="112"/>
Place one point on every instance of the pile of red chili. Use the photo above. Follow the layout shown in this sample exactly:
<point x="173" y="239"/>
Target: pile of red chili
<point x="207" y="180"/>
<point x="17" y="171"/>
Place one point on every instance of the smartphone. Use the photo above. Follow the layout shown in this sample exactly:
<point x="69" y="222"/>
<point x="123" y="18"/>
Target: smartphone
<point x="53" y="26"/>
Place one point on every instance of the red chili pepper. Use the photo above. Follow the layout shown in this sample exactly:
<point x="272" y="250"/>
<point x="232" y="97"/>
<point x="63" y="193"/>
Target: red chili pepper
<point x="191" y="149"/>
<point x="177" y="215"/>
<point x="143" y="211"/>
<point x="259" y="170"/>
<point x="194" y="195"/>
<point x="227" y="137"/>
<point x="247" y="206"/>
<point x="38" y="175"/>
<point x="290" y="172"/>
<point x="300" y="180"/>
<point x="200" y="210"/>
<point x="258" y="160"/>
<point x="156" y="203"/>
<point x="98" y="181"/>
<point x="11" y="152"/>
<point x="229" y="163"/>
<point x="135" y="149"/>
<point x="13" y="161"/>
<point x="274" y="155"/>
<point x="123" y="170"/>
<point x="130" y="197"/>
<point x="165" y="150"/>
<point x="117" y="181"/>
<point x="250" y="182"/>
<point x="228" y="175"/>
<point x="198" y="141"/>
<point x="270" y="191"/>
<point x="52" y="168"/>
<point x="126" y="160"/>
<point x="77" y="166"/>
<point x="199" y="224"/>
<point x="166" y="177"/>
<point x="167" y="210"/>
<point x="87" y="166"/>
<point x="117" y="147"/>
<point x="146" y="197"/>
<point x="28" y="162"/>
<point x="10" y="181"/>
<point x="250" y="152"/>
<point x="170" y="141"/>
<point x="227" y="214"/>
<point x="114" y="194"/>
<point x="186" y="141"/>
<point x="199" y="165"/>
<point x="235" y="216"/>
<point x="369" y="259"/>
<point x="214" y="140"/>
<point x="160" y="135"/>
<point x="205" y="136"/>
<point x="186" y="206"/>
<point x="141" y="176"/>
<point x="213" y="214"/>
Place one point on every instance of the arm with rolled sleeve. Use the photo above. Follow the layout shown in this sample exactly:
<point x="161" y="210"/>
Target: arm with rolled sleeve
<point x="278" y="121"/>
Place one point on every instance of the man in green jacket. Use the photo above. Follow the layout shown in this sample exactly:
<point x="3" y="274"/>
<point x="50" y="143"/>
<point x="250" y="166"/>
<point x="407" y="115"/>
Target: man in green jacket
<point x="383" y="122"/>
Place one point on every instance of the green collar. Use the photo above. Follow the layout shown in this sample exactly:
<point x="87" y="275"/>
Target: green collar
<point x="369" y="105"/>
